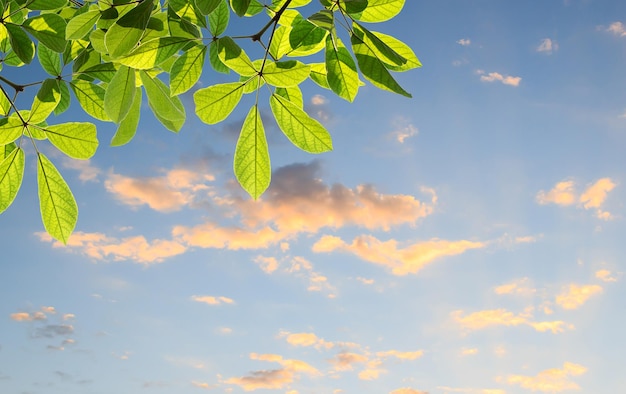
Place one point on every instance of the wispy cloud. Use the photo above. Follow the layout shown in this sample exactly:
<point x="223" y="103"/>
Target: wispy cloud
<point x="617" y="28"/>
<point x="276" y="378"/>
<point x="518" y="287"/>
<point x="606" y="275"/>
<point x="464" y="42"/>
<point x="86" y="171"/>
<point x="497" y="77"/>
<point x="548" y="46"/>
<point x="502" y="317"/>
<point x="551" y="380"/>
<point x="591" y="198"/>
<point x="99" y="246"/>
<point x="575" y="295"/>
<point x="470" y="390"/>
<point x="167" y="193"/>
<point x="202" y="385"/>
<point x="400" y="260"/>
<point x="403" y="129"/>
<point x="211" y="300"/>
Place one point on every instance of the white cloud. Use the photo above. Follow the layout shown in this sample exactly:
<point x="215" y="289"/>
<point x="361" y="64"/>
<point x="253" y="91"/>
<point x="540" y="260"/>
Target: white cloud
<point x="497" y="77"/>
<point x="548" y="46"/>
<point x="617" y="28"/>
<point x="464" y="42"/>
<point x="403" y="129"/>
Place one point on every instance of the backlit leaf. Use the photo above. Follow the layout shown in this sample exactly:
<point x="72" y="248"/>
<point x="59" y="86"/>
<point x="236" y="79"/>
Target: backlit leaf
<point x="379" y="10"/>
<point x="128" y="127"/>
<point x="20" y="43"/>
<point x="91" y="98"/>
<point x="153" y="53"/>
<point x="124" y="35"/>
<point x="288" y="73"/>
<point x="252" y="158"/>
<point x="119" y="94"/>
<point x="11" y="175"/>
<point x="50" y="60"/>
<point x="80" y="25"/>
<point x="234" y="57"/>
<point x="303" y="131"/>
<point x="168" y="110"/>
<point x="219" y="18"/>
<point x="49" y="29"/>
<point x="186" y="70"/>
<point x="342" y="75"/>
<point x="45" y="101"/>
<point x="77" y="140"/>
<point x="11" y="128"/>
<point x="215" y="103"/>
<point x="59" y="211"/>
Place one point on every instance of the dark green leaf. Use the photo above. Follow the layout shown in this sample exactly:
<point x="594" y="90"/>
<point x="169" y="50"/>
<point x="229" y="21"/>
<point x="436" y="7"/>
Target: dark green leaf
<point x="219" y="18"/>
<point x="240" y="6"/>
<point x="50" y="60"/>
<point x="20" y="43"/>
<point x="49" y="29"/>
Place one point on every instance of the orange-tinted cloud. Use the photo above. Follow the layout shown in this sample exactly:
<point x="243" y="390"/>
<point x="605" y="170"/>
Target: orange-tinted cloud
<point x="576" y="295"/>
<point x="276" y="378"/>
<point x="167" y="193"/>
<point x="211" y="300"/>
<point x="519" y="287"/>
<point x="407" y="390"/>
<point x="99" y="246"/>
<point x="550" y="381"/>
<point x="401" y="355"/>
<point x="202" y="385"/>
<point x="593" y="197"/>
<point x="345" y="361"/>
<point x="497" y="77"/>
<point x="470" y="390"/>
<point x="502" y="317"/>
<point x="401" y="260"/>
<point x="606" y="275"/>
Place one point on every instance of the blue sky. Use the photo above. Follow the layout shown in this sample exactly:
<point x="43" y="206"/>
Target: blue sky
<point x="467" y="240"/>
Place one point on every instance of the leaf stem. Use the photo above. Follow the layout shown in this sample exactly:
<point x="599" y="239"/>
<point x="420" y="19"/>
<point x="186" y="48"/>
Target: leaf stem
<point x="18" y="88"/>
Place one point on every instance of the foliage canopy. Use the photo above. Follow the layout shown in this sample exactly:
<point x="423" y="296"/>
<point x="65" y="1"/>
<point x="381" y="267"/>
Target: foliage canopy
<point x="108" y="54"/>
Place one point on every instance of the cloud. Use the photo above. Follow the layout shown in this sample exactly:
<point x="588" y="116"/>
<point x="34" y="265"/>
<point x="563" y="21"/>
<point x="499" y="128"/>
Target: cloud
<point x="606" y="275"/>
<point x="518" y="287"/>
<point x="403" y="129"/>
<point x="593" y="197"/>
<point x="267" y="264"/>
<point x="306" y="339"/>
<point x="365" y="281"/>
<point x="318" y="99"/>
<point x="401" y="355"/>
<point x="561" y="194"/>
<point x="99" y="246"/>
<point x="547" y="46"/>
<point x="25" y="316"/>
<point x="497" y="77"/>
<point x="470" y="390"/>
<point x="210" y="300"/>
<point x="345" y="361"/>
<point x="372" y="370"/>
<point x="273" y="379"/>
<point x="501" y="317"/>
<point x="54" y="330"/>
<point x="469" y="351"/>
<point x="321" y="108"/>
<point x="401" y="260"/>
<point x="464" y="42"/>
<point x="168" y="193"/>
<point x="202" y="385"/>
<point x="86" y="172"/>
<point x="575" y="296"/>
<point x="617" y="28"/>
<point x="551" y="380"/>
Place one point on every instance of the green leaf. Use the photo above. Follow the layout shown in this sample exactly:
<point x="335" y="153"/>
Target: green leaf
<point x="80" y="25"/>
<point x="45" y="101"/>
<point x="20" y="43"/>
<point x="186" y="70"/>
<point x="284" y="74"/>
<point x="280" y="46"/>
<point x="240" y="6"/>
<point x="153" y="53"/>
<point x="102" y="71"/>
<point x="306" y="38"/>
<point x="354" y="6"/>
<point x="168" y="110"/>
<point x="77" y="140"/>
<point x="303" y="131"/>
<point x="91" y="98"/>
<point x="252" y="158"/>
<point x="293" y="94"/>
<point x="324" y="19"/>
<point x="215" y="103"/>
<point x="5" y="104"/>
<point x="59" y="211"/>
<point x="6" y="150"/>
<point x="372" y="68"/>
<point x="319" y="75"/>
<point x="157" y="27"/>
<point x="402" y="49"/>
<point x="46" y="4"/>
<point x="49" y="29"/>
<point x="207" y="6"/>
<point x="234" y="57"/>
<point x="11" y="128"/>
<point x="88" y="58"/>
<point x="96" y="38"/>
<point x="119" y="94"/>
<point x="50" y="60"/>
<point x="128" y="127"/>
<point x="342" y="75"/>
<point x="11" y="175"/>
<point x="378" y="10"/>
<point x="187" y="10"/>
<point x="215" y="61"/>
<point x="383" y="52"/>
<point x="219" y="18"/>
<point x="64" y="103"/>
<point x="181" y="27"/>
<point x="124" y="35"/>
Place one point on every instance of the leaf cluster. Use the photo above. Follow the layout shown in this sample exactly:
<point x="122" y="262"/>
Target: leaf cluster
<point x="108" y="55"/>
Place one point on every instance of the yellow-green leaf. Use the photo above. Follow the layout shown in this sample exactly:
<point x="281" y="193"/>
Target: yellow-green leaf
<point x="168" y="110"/>
<point x="215" y="103"/>
<point x="48" y="29"/>
<point x="11" y="128"/>
<point x="234" y="57"/>
<point x="284" y="74"/>
<point x="153" y="53"/>
<point x="80" y="25"/>
<point x="75" y="139"/>
<point x="91" y="98"/>
<point x="11" y="175"/>
<point x="46" y="100"/>
<point x="186" y="70"/>
<point x="119" y="94"/>
<point x="124" y="35"/>
<point x="59" y="211"/>
<point x="341" y="72"/>
<point x="128" y="127"/>
<point x="252" y="158"/>
<point x="303" y="131"/>
<point x="379" y="10"/>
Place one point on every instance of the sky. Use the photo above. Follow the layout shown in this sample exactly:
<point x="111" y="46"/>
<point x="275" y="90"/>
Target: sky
<point x="466" y="240"/>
